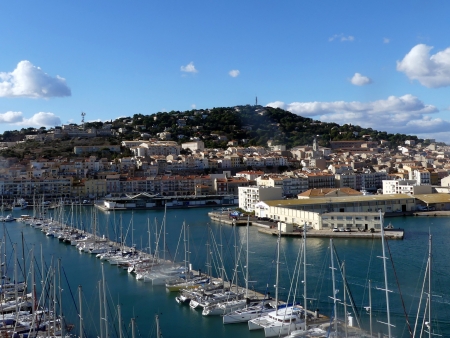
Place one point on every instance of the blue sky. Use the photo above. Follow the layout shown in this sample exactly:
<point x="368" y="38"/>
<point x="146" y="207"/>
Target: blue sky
<point x="379" y="64"/>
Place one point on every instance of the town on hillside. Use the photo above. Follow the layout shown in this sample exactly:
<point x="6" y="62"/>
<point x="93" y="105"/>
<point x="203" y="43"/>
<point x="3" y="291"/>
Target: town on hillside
<point x="99" y="163"/>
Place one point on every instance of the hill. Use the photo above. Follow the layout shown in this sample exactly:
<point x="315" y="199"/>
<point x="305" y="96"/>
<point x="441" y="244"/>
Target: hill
<point x="248" y="125"/>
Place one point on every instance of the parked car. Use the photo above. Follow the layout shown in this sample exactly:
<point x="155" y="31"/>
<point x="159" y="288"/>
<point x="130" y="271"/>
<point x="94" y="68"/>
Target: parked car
<point x="335" y="229"/>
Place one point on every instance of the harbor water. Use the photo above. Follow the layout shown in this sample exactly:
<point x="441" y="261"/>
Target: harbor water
<point x="142" y="300"/>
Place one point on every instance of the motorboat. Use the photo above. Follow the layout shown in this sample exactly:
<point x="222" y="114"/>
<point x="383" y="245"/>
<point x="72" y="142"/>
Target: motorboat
<point x="8" y="218"/>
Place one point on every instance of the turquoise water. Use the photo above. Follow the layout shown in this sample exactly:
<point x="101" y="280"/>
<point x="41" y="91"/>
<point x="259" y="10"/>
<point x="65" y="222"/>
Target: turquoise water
<point x="143" y="301"/>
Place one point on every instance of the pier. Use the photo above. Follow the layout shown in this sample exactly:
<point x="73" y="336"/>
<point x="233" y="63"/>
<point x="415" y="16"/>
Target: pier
<point x="270" y="228"/>
<point x="396" y="234"/>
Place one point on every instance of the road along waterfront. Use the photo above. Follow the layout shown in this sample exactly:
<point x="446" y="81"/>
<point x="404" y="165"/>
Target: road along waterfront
<point x="144" y="300"/>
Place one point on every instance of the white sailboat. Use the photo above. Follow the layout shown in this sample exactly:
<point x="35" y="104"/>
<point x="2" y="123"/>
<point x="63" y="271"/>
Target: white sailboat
<point x="188" y="283"/>
<point x="426" y="328"/>
<point x="281" y="321"/>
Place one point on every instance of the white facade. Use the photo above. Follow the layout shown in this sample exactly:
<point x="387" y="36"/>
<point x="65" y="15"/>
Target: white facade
<point x="326" y="213"/>
<point x="249" y="196"/>
<point x="196" y="145"/>
<point x="422" y="177"/>
<point x="291" y="185"/>
<point x="408" y="187"/>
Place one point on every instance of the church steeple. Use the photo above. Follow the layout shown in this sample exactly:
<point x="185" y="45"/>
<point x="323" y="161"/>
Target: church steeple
<point x="315" y="144"/>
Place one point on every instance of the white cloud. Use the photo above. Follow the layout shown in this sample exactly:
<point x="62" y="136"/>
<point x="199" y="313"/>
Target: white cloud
<point x="11" y="117"/>
<point x="193" y="106"/>
<point x="386" y="40"/>
<point x="189" y="68"/>
<point x="341" y="37"/>
<point x="405" y="114"/>
<point x="234" y="73"/>
<point x="360" y="80"/>
<point x="28" y="80"/>
<point x="37" y="120"/>
<point x="43" y="119"/>
<point x="431" y="71"/>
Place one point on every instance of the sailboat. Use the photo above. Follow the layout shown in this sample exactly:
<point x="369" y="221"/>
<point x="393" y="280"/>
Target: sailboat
<point x="427" y="328"/>
<point x="235" y="301"/>
<point x="281" y="321"/>
<point x="188" y="282"/>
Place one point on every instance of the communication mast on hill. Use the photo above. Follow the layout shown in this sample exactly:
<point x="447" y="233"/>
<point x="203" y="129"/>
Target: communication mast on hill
<point x="83" y="114"/>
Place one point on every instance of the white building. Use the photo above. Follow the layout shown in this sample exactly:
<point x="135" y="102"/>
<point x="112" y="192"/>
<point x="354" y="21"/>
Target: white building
<point x="407" y="187"/>
<point x="352" y="212"/>
<point x="146" y="148"/>
<point x="249" y="196"/>
<point x="291" y="185"/>
<point x="194" y="145"/>
<point x="422" y="177"/>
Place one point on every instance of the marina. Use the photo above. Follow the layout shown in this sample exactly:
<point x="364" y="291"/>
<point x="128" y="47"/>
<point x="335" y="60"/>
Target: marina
<point x="259" y="244"/>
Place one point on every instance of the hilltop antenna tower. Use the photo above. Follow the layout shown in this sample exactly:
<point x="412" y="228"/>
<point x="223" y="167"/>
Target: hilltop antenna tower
<point x="83" y="114"/>
<point x="256" y="101"/>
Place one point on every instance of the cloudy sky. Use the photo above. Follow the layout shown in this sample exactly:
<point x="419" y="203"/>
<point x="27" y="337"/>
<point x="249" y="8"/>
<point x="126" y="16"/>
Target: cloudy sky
<point x="379" y="64"/>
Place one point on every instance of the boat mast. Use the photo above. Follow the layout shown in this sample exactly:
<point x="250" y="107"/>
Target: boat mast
<point x="305" y="299"/>
<point x="119" y="312"/>
<point x="188" y="252"/>
<point x="334" y="287"/>
<point x="105" y="303"/>
<point x="345" y="299"/>
<point x="133" y="333"/>
<point x="164" y="233"/>
<point x="235" y="260"/>
<point x="149" y="239"/>
<point x="385" y="277"/>
<point x="33" y="296"/>
<point x="156" y="255"/>
<point x="222" y="274"/>
<point x="132" y="231"/>
<point x="246" y="261"/>
<point x="208" y="254"/>
<point x="370" y="306"/>
<point x="54" y="298"/>
<point x="81" y="309"/>
<point x="278" y="268"/>
<point x="100" y="307"/>
<point x="185" y="250"/>
<point x="429" y="288"/>
<point x="60" y="300"/>
<point x="16" y="295"/>
<point x="158" y="330"/>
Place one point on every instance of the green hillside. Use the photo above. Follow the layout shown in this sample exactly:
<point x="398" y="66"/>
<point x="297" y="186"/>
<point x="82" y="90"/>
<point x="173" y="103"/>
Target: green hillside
<point x="249" y="125"/>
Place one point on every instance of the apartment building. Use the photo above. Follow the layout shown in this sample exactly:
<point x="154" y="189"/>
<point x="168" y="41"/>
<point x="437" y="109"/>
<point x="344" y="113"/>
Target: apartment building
<point x="407" y="187"/>
<point x="291" y="185"/>
<point x="249" y="196"/>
